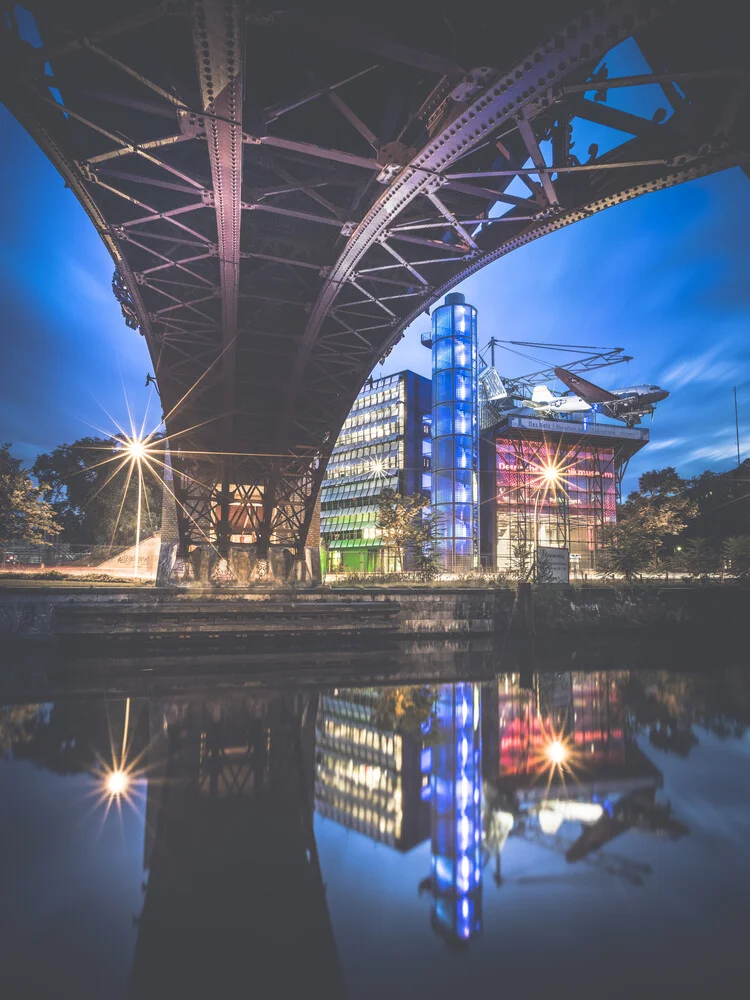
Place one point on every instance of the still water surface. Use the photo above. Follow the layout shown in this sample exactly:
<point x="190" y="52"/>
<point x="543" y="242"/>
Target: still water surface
<point x="571" y="833"/>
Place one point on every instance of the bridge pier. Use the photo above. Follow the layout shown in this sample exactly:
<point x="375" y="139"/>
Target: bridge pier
<point x="244" y="567"/>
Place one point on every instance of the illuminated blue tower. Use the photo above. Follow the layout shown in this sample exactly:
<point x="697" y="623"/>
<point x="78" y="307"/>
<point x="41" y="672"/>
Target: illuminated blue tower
<point x="455" y="429"/>
<point x="457" y="813"/>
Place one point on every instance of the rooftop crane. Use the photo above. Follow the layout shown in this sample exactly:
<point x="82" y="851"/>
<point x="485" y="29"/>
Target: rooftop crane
<point x="588" y="359"/>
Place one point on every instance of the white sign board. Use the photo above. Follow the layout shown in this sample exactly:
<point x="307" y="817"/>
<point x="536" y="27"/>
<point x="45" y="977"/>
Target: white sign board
<point x="555" y="563"/>
<point x="578" y="427"/>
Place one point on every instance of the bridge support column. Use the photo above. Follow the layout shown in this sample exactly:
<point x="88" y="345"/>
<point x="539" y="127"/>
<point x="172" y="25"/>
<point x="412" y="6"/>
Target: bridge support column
<point x="170" y="534"/>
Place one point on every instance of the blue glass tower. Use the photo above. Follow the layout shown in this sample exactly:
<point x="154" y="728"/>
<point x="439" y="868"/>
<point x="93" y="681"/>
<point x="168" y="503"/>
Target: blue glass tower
<point x="455" y="429"/>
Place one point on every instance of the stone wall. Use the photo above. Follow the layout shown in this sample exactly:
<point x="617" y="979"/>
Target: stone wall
<point x="441" y="611"/>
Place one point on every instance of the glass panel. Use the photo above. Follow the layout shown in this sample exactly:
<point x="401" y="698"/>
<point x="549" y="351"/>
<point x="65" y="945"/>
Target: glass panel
<point x="443" y="419"/>
<point x="444" y="453"/>
<point x="441" y="355"/>
<point x="463" y="487"/>
<point x="462" y="319"/>
<point x="442" y="323"/>
<point x="463" y="385"/>
<point x="443" y="385"/>
<point x="463" y="520"/>
<point x="464" y="452"/>
<point x="443" y="487"/>
<point x="444" y="520"/>
<point x="463" y="418"/>
<point x="463" y="352"/>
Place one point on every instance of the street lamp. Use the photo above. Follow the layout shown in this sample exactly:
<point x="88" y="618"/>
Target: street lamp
<point x="117" y="783"/>
<point x="551" y="475"/>
<point x="557" y="752"/>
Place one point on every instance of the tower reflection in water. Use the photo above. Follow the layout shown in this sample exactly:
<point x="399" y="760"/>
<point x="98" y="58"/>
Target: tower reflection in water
<point x="399" y="782"/>
<point x="456" y="792"/>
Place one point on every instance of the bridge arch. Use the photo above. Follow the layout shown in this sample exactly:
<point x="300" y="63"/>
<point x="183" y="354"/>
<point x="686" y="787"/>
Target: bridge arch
<point x="282" y="194"/>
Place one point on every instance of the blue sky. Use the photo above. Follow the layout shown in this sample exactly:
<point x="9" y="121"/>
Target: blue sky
<point x="664" y="277"/>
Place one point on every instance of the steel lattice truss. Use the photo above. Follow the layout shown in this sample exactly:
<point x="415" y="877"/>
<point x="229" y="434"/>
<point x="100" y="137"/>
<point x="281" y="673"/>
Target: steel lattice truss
<point x="284" y="190"/>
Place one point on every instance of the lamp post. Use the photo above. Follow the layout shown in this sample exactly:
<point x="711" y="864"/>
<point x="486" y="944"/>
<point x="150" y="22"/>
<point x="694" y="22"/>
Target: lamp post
<point x="550" y="477"/>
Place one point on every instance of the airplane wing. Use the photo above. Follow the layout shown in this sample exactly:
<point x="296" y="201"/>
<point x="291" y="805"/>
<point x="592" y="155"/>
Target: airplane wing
<point x="586" y="390"/>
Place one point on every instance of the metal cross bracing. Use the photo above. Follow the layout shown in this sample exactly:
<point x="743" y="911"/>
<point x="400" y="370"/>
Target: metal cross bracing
<point x="284" y="190"/>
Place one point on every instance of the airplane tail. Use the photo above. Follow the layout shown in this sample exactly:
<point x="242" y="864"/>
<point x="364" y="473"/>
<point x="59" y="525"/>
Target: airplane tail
<point x="541" y="394"/>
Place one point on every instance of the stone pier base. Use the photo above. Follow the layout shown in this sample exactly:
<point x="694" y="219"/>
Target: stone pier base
<point x="244" y="568"/>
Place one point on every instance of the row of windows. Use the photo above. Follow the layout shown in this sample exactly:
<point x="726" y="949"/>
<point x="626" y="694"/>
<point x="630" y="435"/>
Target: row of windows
<point x="354" y="816"/>
<point x="353" y="502"/>
<point x="381" y="800"/>
<point x="392" y="459"/>
<point x="384" y="743"/>
<point x="364" y="523"/>
<point x="370" y="433"/>
<point x="383" y="414"/>
<point x="348" y="775"/>
<point x="364" y="488"/>
<point x="348" y="454"/>
<point x="378" y="395"/>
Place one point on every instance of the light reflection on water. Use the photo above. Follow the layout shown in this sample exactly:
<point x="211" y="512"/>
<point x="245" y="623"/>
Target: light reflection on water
<point x="516" y="830"/>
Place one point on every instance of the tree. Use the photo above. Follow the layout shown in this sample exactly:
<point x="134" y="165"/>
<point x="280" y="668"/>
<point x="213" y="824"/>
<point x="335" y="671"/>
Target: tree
<point x="400" y="521"/>
<point x="523" y="559"/>
<point x="625" y="548"/>
<point x="723" y="501"/>
<point x="659" y="510"/>
<point x="425" y="542"/>
<point x="701" y="557"/>
<point x="25" y="516"/>
<point x="96" y="500"/>
<point x="409" y="710"/>
<point x="737" y="555"/>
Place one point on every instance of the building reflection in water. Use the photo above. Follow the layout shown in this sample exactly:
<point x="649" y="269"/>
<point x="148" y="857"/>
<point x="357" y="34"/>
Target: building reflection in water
<point x="563" y="771"/>
<point x="399" y="785"/>
<point x="456" y="794"/>
<point x="367" y="775"/>
<point x="552" y="763"/>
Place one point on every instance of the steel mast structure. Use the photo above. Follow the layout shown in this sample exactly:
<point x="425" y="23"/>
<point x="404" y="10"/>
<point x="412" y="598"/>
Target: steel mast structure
<point x="283" y="190"/>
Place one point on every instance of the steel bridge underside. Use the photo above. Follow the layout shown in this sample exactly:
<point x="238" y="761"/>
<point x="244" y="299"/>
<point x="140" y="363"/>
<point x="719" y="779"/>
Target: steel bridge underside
<point x="284" y="192"/>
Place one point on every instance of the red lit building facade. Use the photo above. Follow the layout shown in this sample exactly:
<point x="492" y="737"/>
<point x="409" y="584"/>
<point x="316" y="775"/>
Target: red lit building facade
<point x="550" y="484"/>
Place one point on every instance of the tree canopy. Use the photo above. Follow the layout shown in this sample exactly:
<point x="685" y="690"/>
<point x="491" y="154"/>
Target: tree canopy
<point x="25" y="516"/>
<point x="95" y="500"/>
<point x="401" y="523"/>
<point x="651" y="517"/>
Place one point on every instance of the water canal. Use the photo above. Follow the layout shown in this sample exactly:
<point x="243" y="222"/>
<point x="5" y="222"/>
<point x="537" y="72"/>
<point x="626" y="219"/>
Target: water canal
<point x="580" y="832"/>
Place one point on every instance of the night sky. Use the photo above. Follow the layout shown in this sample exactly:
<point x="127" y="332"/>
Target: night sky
<point x="664" y="277"/>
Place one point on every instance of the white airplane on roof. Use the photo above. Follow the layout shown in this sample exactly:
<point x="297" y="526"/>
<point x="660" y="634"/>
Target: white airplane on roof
<point x="628" y="404"/>
<point x="544" y="400"/>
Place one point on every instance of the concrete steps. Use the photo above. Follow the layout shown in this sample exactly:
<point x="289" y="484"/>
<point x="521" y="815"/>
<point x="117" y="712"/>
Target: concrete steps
<point x="221" y="617"/>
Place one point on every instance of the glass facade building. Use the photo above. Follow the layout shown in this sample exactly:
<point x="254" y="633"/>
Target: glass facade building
<point x="551" y="484"/>
<point x="385" y="442"/>
<point x="455" y="430"/>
